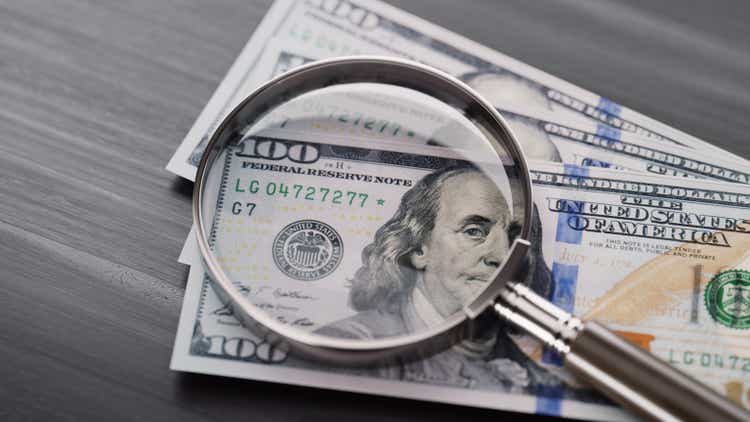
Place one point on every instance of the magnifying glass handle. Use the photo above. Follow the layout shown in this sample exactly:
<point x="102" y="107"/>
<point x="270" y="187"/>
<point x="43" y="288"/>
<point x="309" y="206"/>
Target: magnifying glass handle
<point x="641" y="382"/>
<point x="627" y="374"/>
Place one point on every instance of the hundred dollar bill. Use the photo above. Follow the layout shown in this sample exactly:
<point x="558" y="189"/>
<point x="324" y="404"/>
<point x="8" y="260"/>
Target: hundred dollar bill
<point x="542" y="134"/>
<point x="661" y="260"/>
<point x="371" y="27"/>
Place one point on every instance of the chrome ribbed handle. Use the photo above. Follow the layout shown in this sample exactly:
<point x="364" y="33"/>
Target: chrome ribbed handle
<point x="632" y="377"/>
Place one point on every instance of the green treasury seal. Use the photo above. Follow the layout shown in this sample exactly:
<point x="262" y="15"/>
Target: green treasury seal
<point x="728" y="298"/>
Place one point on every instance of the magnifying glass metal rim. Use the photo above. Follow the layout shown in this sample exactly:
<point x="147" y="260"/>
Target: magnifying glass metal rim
<point x="357" y="69"/>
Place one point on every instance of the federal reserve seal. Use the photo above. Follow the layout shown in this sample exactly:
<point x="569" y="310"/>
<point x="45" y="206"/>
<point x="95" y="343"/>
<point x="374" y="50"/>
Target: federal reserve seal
<point x="307" y="250"/>
<point x="727" y="298"/>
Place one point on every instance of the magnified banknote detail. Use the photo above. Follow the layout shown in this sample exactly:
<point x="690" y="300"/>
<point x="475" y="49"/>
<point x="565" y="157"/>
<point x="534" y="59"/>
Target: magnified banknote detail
<point x="449" y="203"/>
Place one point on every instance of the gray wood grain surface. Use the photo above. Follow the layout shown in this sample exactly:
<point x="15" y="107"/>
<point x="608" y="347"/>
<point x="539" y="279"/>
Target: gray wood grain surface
<point x="94" y="99"/>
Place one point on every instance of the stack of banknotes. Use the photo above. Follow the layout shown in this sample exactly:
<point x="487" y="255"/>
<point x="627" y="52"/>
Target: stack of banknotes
<point x="661" y="216"/>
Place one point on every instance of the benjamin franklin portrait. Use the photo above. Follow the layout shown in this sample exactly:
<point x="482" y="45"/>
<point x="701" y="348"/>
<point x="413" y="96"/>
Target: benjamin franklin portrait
<point x="442" y="245"/>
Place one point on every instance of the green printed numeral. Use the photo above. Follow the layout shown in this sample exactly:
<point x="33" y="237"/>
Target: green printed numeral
<point x="308" y="193"/>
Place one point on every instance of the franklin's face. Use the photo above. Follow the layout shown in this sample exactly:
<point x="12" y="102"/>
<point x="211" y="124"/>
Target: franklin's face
<point x="467" y="244"/>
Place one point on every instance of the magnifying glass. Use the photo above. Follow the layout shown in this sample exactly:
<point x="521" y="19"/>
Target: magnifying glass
<point x="369" y="210"/>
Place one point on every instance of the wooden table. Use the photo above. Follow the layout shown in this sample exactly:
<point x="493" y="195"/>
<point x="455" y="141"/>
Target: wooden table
<point x="94" y="99"/>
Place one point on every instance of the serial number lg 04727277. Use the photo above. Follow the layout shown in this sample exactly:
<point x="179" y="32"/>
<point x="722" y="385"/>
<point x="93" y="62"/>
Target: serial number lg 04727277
<point x="302" y="192"/>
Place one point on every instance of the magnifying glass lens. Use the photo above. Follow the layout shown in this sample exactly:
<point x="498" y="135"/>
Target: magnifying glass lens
<point x="362" y="211"/>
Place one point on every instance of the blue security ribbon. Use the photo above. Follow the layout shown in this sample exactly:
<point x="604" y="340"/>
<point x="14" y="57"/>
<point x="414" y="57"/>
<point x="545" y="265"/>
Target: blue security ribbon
<point x="565" y="277"/>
